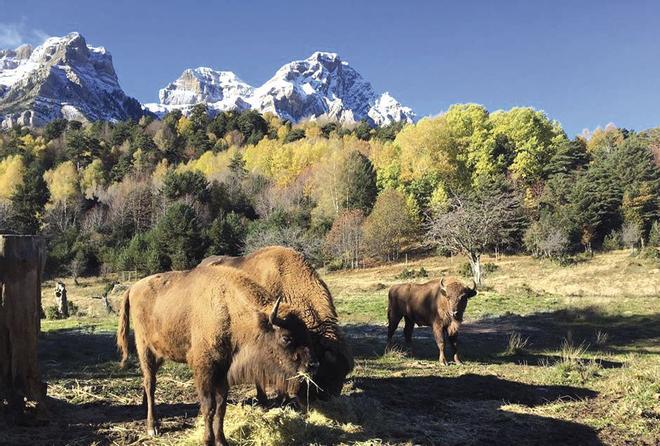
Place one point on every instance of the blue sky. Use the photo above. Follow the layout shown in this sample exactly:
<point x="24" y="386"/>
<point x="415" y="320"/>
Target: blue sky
<point x="586" y="63"/>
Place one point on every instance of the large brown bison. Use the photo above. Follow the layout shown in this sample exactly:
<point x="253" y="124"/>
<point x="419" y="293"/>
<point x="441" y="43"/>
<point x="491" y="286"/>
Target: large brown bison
<point x="439" y="304"/>
<point x="285" y="273"/>
<point x="212" y="319"/>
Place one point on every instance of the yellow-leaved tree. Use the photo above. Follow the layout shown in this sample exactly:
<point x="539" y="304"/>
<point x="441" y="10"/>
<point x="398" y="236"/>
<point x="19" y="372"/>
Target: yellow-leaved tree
<point x="12" y="172"/>
<point x="93" y="179"/>
<point x="62" y="182"/>
<point x="534" y="139"/>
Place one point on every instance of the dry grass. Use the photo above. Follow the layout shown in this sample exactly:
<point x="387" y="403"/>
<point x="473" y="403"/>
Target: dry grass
<point x="552" y="355"/>
<point x="516" y="344"/>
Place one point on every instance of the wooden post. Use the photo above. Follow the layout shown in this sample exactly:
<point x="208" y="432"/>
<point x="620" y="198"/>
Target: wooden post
<point x="22" y="261"/>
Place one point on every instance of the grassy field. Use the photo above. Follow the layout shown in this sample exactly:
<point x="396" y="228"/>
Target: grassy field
<point x="552" y="355"/>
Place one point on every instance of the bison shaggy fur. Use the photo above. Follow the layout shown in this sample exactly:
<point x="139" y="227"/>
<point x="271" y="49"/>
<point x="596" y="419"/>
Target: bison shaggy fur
<point x="285" y="273"/>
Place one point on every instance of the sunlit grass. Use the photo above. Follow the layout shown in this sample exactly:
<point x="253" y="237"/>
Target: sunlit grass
<point x="533" y="327"/>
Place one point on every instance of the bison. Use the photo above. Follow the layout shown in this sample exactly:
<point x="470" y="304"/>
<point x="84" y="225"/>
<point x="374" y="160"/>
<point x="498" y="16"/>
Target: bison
<point x="212" y="319"/>
<point x="439" y="304"/>
<point x="285" y="273"/>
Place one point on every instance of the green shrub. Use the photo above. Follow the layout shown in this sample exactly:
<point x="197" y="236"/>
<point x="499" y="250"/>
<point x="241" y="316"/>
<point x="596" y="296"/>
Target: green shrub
<point x="73" y="309"/>
<point x="52" y="313"/>
<point x="650" y="253"/>
<point x="654" y="235"/>
<point x="334" y="265"/>
<point x="612" y="241"/>
<point x="465" y="269"/>
<point x="489" y="267"/>
<point x="411" y="273"/>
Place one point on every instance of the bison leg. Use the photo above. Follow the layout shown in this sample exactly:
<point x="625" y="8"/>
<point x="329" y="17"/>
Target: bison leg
<point x="206" y="394"/>
<point x="453" y="340"/>
<point x="262" y="396"/>
<point x="221" y="391"/>
<point x="439" y="334"/>
<point x="408" y="330"/>
<point x="149" y="365"/>
<point x="394" y="320"/>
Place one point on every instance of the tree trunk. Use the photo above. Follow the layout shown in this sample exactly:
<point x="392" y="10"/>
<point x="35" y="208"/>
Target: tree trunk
<point x="475" y="264"/>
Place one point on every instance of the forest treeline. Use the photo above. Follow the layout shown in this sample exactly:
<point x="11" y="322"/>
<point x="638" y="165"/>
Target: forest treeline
<point x="155" y="195"/>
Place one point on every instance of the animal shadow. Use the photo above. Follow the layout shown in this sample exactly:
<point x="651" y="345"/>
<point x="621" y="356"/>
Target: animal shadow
<point x="468" y="410"/>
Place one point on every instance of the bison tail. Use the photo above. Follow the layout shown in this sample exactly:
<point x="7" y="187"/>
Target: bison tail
<point x="122" y="330"/>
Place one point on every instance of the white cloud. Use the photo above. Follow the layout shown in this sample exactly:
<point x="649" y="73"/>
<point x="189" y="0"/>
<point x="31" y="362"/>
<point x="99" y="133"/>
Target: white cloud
<point x="15" y="34"/>
<point x="10" y="35"/>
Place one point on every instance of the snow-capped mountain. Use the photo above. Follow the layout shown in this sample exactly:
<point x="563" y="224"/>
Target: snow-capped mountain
<point x="221" y="90"/>
<point x="66" y="78"/>
<point x="62" y="78"/>
<point x="322" y="85"/>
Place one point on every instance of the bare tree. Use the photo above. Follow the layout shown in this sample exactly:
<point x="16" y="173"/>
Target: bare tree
<point x="474" y="225"/>
<point x="344" y="241"/>
<point x="631" y="234"/>
<point x="63" y="215"/>
<point x="555" y="245"/>
<point x="132" y="201"/>
<point x="291" y="236"/>
<point x="76" y="267"/>
<point x="6" y="214"/>
<point x="94" y="219"/>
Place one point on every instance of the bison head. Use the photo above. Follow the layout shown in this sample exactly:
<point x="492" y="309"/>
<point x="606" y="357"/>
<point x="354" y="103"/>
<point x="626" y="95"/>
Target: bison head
<point x="278" y="356"/>
<point x="456" y="295"/>
<point x="292" y="341"/>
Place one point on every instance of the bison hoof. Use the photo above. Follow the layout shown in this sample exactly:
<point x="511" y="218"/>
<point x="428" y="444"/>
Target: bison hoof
<point x="443" y="361"/>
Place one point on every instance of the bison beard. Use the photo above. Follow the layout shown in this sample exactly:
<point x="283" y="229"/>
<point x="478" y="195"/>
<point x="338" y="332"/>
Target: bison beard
<point x="211" y="319"/>
<point x="284" y="272"/>
<point x="439" y="304"/>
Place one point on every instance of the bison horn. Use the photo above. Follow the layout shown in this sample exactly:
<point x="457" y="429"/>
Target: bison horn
<point x="474" y="286"/>
<point x="442" y="284"/>
<point x="274" y="319"/>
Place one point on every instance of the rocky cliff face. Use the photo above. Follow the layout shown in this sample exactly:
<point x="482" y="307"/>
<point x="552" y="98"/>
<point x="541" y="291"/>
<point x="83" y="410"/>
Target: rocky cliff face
<point x="62" y="78"/>
<point x="322" y="85"/>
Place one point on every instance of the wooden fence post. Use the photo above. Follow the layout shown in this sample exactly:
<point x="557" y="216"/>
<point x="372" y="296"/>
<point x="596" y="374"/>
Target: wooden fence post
<point x="22" y="260"/>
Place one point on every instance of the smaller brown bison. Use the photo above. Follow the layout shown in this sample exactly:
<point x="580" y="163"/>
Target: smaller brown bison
<point x="439" y="304"/>
<point x="210" y="318"/>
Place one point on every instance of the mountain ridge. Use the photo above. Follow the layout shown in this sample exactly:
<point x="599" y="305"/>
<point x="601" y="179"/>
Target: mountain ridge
<point x="323" y="85"/>
<point x="64" y="77"/>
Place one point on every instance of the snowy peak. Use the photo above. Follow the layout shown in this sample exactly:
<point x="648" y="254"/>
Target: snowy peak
<point x="323" y="85"/>
<point x="222" y="90"/>
<point x="320" y="86"/>
<point x="61" y="78"/>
